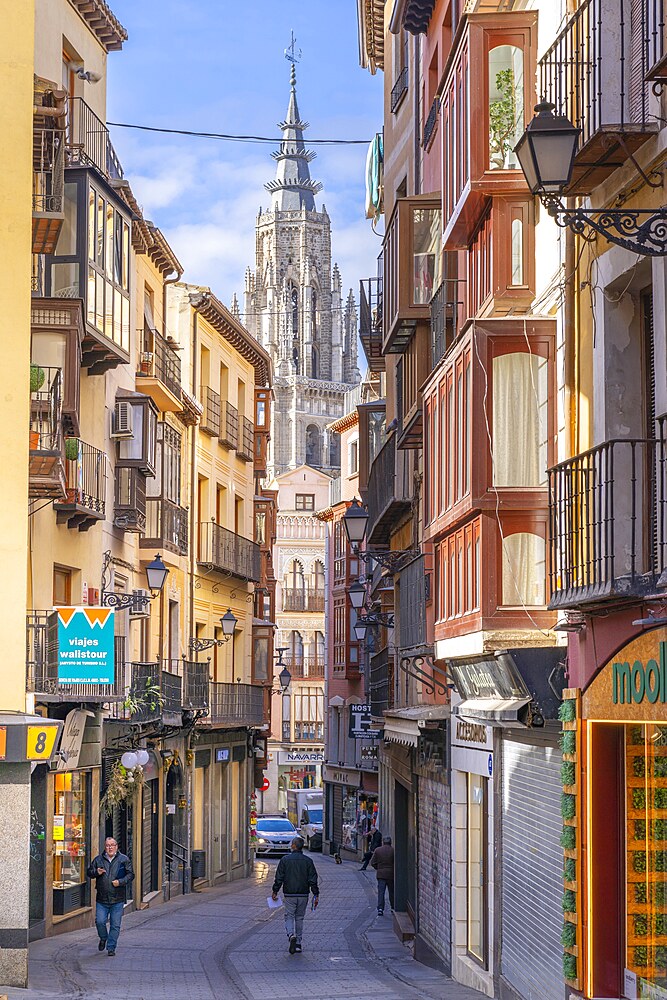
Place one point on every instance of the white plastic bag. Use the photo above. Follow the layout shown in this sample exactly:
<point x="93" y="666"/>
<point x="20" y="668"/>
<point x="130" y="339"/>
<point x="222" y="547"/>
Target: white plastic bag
<point x="272" y="903"/>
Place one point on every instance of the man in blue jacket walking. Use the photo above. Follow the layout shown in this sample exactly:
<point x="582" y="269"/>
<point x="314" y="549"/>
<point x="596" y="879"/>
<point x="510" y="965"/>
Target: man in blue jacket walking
<point x="297" y="876"/>
<point x="112" y="872"/>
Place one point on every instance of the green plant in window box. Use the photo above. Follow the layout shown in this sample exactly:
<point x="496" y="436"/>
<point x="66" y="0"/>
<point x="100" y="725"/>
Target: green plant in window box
<point x="640" y="892"/>
<point x="639" y="862"/>
<point x="568" y="937"/>
<point x="661" y="924"/>
<point x="567" y="710"/>
<point x="660" y="767"/>
<point x="660" y="893"/>
<point x="640" y="923"/>
<point x="638" y="768"/>
<point x="568" y="806"/>
<point x="661" y="956"/>
<point x="641" y="956"/>
<point x="568" y="741"/>
<point x="638" y="798"/>
<point x="568" y="838"/>
<point x="569" y="870"/>
<point x="569" y="967"/>
<point x="150" y="698"/>
<point x="569" y="901"/>
<point x="568" y="774"/>
<point x="640" y="829"/>
<point x="71" y="449"/>
<point x="37" y="377"/>
<point x="660" y="829"/>
<point x="659" y="861"/>
<point x="660" y="798"/>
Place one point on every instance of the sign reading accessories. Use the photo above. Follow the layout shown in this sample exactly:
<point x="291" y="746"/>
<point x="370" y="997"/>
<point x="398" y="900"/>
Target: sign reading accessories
<point x="472" y="734"/>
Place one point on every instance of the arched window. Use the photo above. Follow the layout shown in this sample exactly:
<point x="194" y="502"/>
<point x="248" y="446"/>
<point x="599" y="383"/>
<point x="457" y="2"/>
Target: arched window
<point x="295" y="649"/>
<point x="295" y="328"/>
<point x="314" y="362"/>
<point x="506" y="111"/>
<point x="318" y="577"/>
<point x="313" y="445"/>
<point x="294" y="587"/>
<point x="334" y="451"/>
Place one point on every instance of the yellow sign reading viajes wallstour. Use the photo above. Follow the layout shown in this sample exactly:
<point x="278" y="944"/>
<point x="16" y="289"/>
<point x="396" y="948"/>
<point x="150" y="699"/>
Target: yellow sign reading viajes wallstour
<point x="40" y="741"/>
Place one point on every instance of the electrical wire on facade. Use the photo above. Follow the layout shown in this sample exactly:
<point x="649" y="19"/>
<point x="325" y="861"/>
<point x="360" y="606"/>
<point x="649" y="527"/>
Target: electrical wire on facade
<point x="228" y="137"/>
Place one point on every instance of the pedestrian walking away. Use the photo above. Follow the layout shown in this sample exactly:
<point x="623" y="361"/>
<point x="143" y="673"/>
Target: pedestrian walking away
<point x="112" y="872"/>
<point x="297" y="876"/>
<point x="383" y="862"/>
<point x="376" y="841"/>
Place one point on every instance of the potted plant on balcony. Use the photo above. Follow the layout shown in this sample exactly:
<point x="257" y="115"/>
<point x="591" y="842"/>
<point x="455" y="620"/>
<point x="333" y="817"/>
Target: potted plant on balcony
<point x="504" y="115"/>
<point x="37" y="377"/>
<point x="146" y="363"/>
<point x="71" y="449"/>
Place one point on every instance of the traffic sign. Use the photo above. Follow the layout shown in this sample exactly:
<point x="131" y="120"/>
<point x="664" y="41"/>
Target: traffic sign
<point x="266" y="784"/>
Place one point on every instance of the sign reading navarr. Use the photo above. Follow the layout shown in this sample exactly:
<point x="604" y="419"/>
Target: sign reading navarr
<point x="85" y="646"/>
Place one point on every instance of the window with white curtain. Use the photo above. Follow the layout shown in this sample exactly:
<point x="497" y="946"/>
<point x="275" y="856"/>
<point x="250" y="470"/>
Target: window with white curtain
<point x="524" y="569"/>
<point x="519" y="418"/>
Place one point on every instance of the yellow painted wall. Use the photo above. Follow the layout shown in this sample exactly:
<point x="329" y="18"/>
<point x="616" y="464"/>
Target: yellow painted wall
<point x="16" y="83"/>
<point x="58" y="23"/>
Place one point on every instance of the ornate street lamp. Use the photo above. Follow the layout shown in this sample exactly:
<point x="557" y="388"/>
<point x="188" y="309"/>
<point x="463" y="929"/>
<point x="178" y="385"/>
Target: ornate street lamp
<point x="546" y="153"/>
<point x="355" y="520"/>
<point x="228" y="623"/>
<point x="156" y="575"/>
<point x="357" y="595"/>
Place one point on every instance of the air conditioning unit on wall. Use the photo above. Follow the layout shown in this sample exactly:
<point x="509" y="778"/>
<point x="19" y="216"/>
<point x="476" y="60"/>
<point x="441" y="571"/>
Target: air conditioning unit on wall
<point x="121" y="420"/>
<point x="138" y="609"/>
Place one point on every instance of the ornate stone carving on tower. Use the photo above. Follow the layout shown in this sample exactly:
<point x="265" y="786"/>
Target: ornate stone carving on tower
<point x="293" y="304"/>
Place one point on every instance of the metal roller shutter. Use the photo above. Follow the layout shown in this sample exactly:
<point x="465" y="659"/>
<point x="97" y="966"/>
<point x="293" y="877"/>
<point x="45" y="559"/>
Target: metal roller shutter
<point x="532" y="870"/>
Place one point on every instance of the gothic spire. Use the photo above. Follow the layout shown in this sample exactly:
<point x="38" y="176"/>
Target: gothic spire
<point x="293" y="189"/>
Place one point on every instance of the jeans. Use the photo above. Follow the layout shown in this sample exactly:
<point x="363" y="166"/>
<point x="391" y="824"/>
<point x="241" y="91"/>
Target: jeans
<point x="295" y="911"/>
<point x="366" y="858"/>
<point x="112" y="912"/>
<point x="383" y="884"/>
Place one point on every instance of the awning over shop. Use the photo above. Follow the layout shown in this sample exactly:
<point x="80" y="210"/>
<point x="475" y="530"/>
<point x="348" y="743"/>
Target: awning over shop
<point x="406" y="725"/>
<point x="498" y="711"/>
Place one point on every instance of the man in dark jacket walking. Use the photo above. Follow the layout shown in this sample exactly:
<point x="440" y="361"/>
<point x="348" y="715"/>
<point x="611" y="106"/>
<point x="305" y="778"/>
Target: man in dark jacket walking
<point x="112" y="872"/>
<point x="376" y="841"/>
<point x="297" y="876"/>
<point x="383" y="862"/>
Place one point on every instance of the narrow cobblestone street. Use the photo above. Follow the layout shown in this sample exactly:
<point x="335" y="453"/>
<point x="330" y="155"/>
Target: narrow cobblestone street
<point x="225" y="943"/>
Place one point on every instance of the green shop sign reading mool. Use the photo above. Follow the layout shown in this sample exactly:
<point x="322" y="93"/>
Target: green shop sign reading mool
<point x="641" y="682"/>
<point x="85" y="646"/>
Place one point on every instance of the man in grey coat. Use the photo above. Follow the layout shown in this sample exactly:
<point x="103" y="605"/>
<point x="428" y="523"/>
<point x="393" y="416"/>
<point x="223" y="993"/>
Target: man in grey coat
<point x="297" y="876"/>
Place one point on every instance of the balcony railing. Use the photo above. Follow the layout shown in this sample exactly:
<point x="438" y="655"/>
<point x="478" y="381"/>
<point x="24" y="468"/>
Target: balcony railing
<point x="412" y="605"/>
<point x="400" y="89"/>
<point x="228" y="432"/>
<point x="88" y="142"/>
<point x="210" y="418"/>
<point x="85" y="488"/>
<point x="305" y="666"/>
<point x="302" y="599"/>
<point x="155" y="693"/>
<point x="236" y="705"/>
<point x="163" y="363"/>
<point x="196" y="694"/>
<point x="308" y="732"/>
<point x="656" y="39"/>
<point x="444" y="318"/>
<point x="129" y="509"/>
<point x="47" y="473"/>
<point x="225" y="551"/>
<point x="596" y="76"/>
<point x="48" y="188"/>
<point x="42" y="665"/>
<point x="608" y="520"/>
<point x="246" y="440"/>
<point x="431" y="122"/>
<point x="387" y="500"/>
<point x="370" y="322"/>
<point x="166" y="526"/>
<point x="379" y="683"/>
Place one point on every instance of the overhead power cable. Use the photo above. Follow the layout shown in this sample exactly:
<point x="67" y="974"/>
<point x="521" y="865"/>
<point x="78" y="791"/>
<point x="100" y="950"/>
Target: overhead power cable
<point x="225" y="137"/>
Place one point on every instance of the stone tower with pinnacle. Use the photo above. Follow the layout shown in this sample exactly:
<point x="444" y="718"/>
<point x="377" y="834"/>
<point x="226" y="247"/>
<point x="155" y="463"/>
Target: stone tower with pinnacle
<point x="294" y="306"/>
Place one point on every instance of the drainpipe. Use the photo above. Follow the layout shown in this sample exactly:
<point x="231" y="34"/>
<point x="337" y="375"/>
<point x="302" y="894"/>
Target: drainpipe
<point x="569" y="349"/>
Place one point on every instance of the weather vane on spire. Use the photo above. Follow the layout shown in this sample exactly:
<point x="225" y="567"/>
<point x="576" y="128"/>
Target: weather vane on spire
<point x="292" y="53"/>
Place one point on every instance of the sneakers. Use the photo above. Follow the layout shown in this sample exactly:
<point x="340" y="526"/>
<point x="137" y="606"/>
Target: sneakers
<point x="380" y="913"/>
<point x="111" y="953"/>
<point x="292" y="944"/>
<point x="102" y="945"/>
<point x="299" y="949"/>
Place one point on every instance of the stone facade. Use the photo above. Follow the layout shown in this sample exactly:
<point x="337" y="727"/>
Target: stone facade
<point x="294" y="306"/>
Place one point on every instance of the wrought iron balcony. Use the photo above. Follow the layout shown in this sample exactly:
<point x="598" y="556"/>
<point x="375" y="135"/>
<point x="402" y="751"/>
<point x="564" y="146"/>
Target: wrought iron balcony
<point x="228" y="432"/>
<point x="155" y="693"/>
<point x="159" y="375"/>
<point x="608" y="522"/>
<point x="42" y="665"/>
<point x="302" y="599"/>
<point x="400" y="89"/>
<point x="370" y="322"/>
<point x="308" y="732"/>
<point x="596" y="77"/>
<point x="196" y="694"/>
<point x="236" y="705"/>
<point x="129" y="509"/>
<point x="47" y="470"/>
<point x="379" y="683"/>
<point x="210" y="418"/>
<point x="431" y="122"/>
<point x="412" y="616"/>
<point x="228" y="553"/>
<point x="85" y="487"/>
<point x="246" y="440"/>
<point x="303" y="667"/>
<point x="88" y="142"/>
<point x="166" y="526"/>
<point x="656" y="40"/>
<point x="444" y="318"/>
<point x="48" y="188"/>
<point x="388" y="499"/>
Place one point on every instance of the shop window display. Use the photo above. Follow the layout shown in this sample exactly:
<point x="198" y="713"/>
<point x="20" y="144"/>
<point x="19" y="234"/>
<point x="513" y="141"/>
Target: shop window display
<point x="70" y="834"/>
<point x="646" y="857"/>
<point x="350" y="819"/>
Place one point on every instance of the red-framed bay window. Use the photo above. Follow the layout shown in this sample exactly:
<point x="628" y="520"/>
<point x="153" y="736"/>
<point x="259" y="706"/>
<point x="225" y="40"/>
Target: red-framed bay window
<point x="346" y="649"/>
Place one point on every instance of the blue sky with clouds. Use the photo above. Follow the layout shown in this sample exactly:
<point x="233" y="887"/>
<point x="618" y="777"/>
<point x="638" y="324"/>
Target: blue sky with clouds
<point x="218" y="66"/>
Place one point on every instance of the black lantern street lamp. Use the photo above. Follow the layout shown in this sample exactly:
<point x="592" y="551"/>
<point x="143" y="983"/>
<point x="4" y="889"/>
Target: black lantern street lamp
<point x="156" y="575"/>
<point x="357" y="595"/>
<point x="360" y="630"/>
<point x="546" y="152"/>
<point x="228" y="623"/>
<point x="355" y="520"/>
<point x="284" y="678"/>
